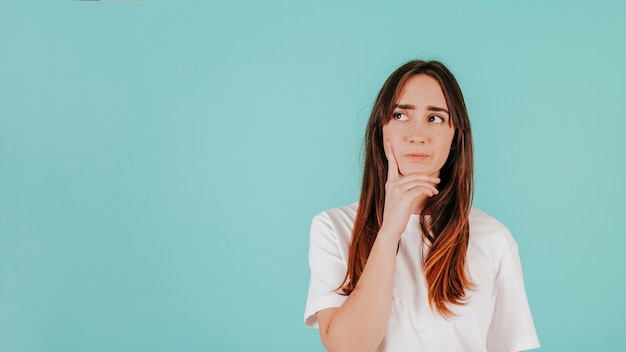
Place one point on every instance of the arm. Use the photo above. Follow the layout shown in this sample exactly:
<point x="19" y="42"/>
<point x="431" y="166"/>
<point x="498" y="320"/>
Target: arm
<point x="512" y="327"/>
<point x="361" y="322"/>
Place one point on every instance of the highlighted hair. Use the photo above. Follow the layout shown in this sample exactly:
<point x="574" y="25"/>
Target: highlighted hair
<point x="446" y="228"/>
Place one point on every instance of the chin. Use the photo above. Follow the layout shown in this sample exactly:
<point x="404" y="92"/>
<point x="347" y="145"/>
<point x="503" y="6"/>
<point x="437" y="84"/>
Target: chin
<point x="418" y="170"/>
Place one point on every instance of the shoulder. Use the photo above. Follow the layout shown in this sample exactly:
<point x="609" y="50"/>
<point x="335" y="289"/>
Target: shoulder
<point x="338" y="216"/>
<point x="487" y="231"/>
<point x="491" y="249"/>
<point x="335" y="222"/>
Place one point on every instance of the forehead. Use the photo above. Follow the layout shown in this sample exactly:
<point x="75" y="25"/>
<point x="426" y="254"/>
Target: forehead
<point x="422" y="89"/>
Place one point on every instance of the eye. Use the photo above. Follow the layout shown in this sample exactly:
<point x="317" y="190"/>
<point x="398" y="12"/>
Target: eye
<point x="436" y="119"/>
<point x="400" y="116"/>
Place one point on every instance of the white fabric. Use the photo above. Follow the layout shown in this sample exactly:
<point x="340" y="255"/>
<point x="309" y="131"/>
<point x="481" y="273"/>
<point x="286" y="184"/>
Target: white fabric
<point x="495" y="318"/>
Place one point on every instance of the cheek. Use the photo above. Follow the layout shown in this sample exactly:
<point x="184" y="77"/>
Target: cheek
<point x="446" y="137"/>
<point x="389" y="136"/>
<point x="390" y="133"/>
<point x="445" y="142"/>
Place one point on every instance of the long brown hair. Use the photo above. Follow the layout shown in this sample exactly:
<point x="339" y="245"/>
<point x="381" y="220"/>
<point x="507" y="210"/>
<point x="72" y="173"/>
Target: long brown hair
<point x="446" y="230"/>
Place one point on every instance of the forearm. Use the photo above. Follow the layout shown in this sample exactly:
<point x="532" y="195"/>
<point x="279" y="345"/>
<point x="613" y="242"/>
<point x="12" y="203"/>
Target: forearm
<point x="361" y="322"/>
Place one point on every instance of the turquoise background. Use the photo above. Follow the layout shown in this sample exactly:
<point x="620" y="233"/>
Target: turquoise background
<point x="160" y="162"/>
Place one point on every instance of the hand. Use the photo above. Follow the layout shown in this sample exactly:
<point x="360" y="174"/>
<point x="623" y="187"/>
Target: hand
<point x="401" y="191"/>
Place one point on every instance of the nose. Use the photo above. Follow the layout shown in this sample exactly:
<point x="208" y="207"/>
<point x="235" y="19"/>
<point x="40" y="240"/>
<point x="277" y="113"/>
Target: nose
<point x="417" y="135"/>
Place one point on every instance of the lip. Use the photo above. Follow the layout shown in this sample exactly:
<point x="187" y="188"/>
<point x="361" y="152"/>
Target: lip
<point x="417" y="156"/>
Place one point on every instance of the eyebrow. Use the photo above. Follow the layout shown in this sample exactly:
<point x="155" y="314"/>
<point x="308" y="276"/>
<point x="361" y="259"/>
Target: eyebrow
<point x="412" y="107"/>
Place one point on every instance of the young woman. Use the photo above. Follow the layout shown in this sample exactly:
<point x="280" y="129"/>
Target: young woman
<point x="412" y="266"/>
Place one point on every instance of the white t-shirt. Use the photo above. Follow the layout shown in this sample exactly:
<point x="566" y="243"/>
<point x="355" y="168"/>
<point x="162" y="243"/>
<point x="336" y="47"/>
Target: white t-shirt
<point x="496" y="316"/>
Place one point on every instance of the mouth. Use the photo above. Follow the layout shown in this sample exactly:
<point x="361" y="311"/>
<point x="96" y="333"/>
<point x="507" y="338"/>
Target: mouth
<point x="416" y="156"/>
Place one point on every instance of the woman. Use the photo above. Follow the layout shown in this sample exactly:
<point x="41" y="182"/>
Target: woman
<point x="412" y="266"/>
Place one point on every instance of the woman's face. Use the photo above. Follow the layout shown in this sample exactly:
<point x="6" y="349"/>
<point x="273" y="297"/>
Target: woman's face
<point x="420" y="131"/>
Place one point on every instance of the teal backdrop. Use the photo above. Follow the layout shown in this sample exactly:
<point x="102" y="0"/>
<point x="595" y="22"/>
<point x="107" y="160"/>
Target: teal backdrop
<point x="160" y="162"/>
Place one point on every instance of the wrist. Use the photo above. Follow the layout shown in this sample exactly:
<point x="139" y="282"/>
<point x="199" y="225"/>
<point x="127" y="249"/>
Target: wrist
<point x="389" y="235"/>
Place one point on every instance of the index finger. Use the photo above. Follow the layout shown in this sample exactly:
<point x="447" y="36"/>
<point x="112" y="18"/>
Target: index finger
<point x="392" y="165"/>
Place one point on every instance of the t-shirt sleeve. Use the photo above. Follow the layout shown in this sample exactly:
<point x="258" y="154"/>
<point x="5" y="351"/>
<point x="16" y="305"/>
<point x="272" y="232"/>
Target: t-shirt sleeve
<point x="512" y="327"/>
<point x="328" y="269"/>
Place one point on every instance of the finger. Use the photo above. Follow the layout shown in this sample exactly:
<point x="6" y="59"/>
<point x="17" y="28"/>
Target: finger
<point x="422" y="191"/>
<point x="392" y="164"/>
<point x="407" y="186"/>
<point x="421" y="177"/>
